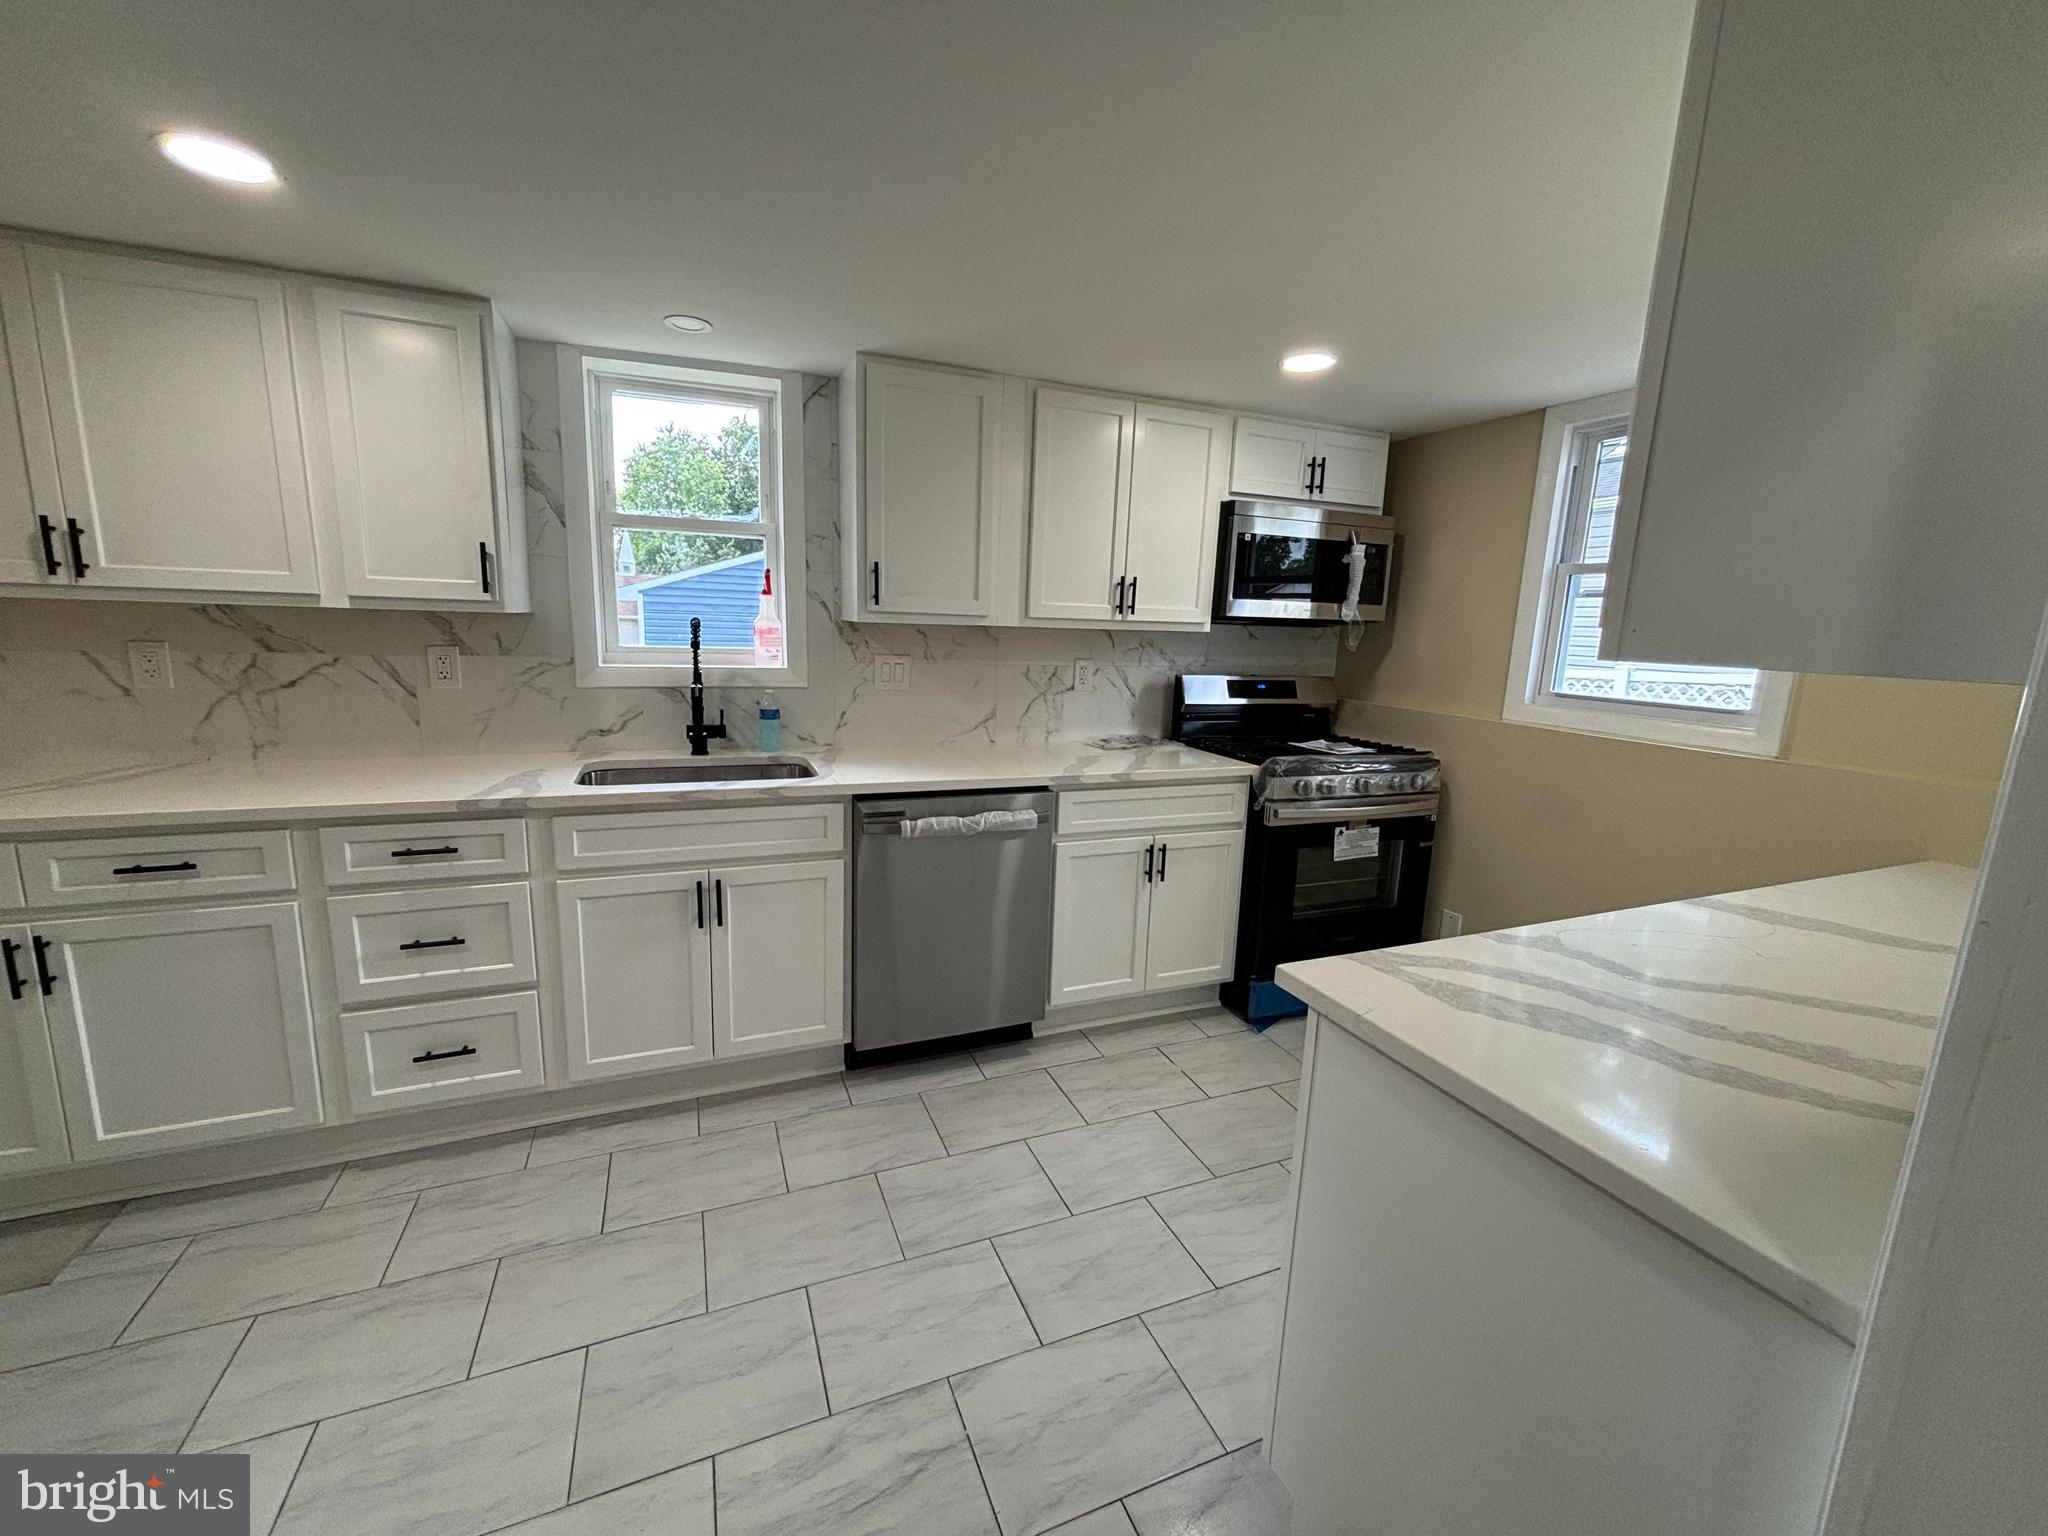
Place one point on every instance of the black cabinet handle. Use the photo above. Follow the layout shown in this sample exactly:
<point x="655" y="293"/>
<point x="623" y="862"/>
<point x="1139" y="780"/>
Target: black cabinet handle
<point x="700" y="903"/>
<point x="16" y="982"/>
<point x="1116" y="604"/>
<point x="426" y="1056"/>
<point x="718" y="888"/>
<point x="1131" y="602"/>
<point x="1162" y="861"/>
<point x="483" y="563"/>
<point x="77" y="537"/>
<point x="46" y="979"/>
<point x="422" y="853"/>
<point x="1150" y="849"/>
<point x="456" y="943"/>
<point x="155" y="869"/>
<point x="875" y="583"/>
<point x="51" y="565"/>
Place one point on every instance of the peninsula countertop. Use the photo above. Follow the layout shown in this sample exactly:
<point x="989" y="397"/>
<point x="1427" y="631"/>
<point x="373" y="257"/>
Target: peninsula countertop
<point x="1741" y="1069"/>
<point x="287" y="789"/>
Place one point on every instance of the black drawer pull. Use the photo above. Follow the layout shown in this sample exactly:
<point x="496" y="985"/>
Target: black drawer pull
<point x="46" y="979"/>
<point x="455" y="943"/>
<point x="426" y="1056"/>
<point x="178" y="868"/>
<point x="16" y="982"/>
<point x="423" y="853"/>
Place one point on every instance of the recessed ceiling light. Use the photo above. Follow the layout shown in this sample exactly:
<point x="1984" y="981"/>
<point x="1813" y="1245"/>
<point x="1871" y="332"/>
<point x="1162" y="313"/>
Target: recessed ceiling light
<point x="221" y="159"/>
<point x="690" y="323"/>
<point x="1308" y="362"/>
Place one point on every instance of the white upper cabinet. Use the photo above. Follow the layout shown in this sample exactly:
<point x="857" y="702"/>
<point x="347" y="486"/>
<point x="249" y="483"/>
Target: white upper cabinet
<point x="921" y="492"/>
<point x="1179" y="468"/>
<point x="1838" y="447"/>
<point x="31" y="515"/>
<point x="408" y="444"/>
<point x="1295" y="461"/>
<point x="179" y="458"/>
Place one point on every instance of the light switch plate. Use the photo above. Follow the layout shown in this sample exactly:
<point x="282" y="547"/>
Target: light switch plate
<point x="1449" y="924"/>
<point x="149" y="664"/>
<point x="444" y="666"/>
<point x="892" y="674"/>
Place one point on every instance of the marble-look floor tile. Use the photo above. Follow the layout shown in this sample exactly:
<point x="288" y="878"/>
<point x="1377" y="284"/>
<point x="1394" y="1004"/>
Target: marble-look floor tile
<point x="49" y="1322"/>
<point x="331" y="1357"/>
<point x="142" y="1259"/>
<point x="1236" y="1227"/>
<point x="1221" y="1345"/>
<point x="504" y="1214"/>
<point x="456" y="1461"/>
<point x="274" y="1264"/>
<point x="680" y="1178"/>
<point x="954" y="1200"/>
<point x="758" y="1106"/>
<point x="1234" y="1495"/>
<point x="34" y="1248"/>
<point x="893" y="1467"/>
<point x="1041" y="1051"/>
<point x="138" y="1397"/>
<point x="1291" y="1035"/>
<point x="923" y="1320"/>
<point x="1291" y="1092"/>
<point x="1231" y="1063"/>
<point x="1071" y="1427"/>
<point x="1124" y="1085"/>
<point x="273" y="1463"/>
<point x="1116" y="1161"/>
<point x="872" y="1084"/>
<point x="1240" y="1130"/>
<point x="1218" y="1021"/>
<point x="1010" y="1108"/>
<point x="679" y="1393"/>
<point x="407" y="1173"/>
<point x="833" y="1144"/>
<point x="572" y="1139"/>
<point x="595" y="1288"/>
<point x="1142" y="1034"/>
<point x="797" y="1239"/>
<point x="1080" y="1273"/>
<point x="1110" y="1520"/>
<point x="192" y="1211"/>
<point x="676" y="1503"/>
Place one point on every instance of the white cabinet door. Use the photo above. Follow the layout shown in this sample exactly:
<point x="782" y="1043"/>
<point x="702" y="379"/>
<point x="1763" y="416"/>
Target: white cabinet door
<point x="1270" y="458"/>
<point x="1179" y="469"/>
<point x="778" y="956"/>
<point x="29" y="501"/>
<point x="636" y="971"/>
<point x="178" y="443"/>
<point x="1351" y="467"/>
<point x="31" y="1114"/>
<point x="928" y="468"/>
<point x="1081" y="449"/>
<point x="408" y="444"/>
<point x="177" y="1028"/>
<point x="1193" y="927"/>
<point x="1100" y="901"/>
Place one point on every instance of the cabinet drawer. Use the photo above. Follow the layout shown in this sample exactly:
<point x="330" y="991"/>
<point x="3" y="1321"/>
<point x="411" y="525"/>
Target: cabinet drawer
<point x="416" y="943"/>
<point x="425" y="1053"/>
<point x="102" y="869"/>
<point x="711" y="835"/>
<point x="1152" y="808"/>
<point x="423" y="850"/>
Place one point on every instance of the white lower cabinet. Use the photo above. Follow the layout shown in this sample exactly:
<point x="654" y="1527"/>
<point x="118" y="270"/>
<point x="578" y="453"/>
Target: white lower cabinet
<point x="1143" y="914"/>
<point x="427" y="1053"/>
<point x="31" y="1113"/>
<point x="175" y="1028"/>
<point x="778" y="956"/>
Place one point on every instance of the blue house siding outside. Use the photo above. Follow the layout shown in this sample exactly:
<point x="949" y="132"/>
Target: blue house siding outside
<point x="725" y="596"/>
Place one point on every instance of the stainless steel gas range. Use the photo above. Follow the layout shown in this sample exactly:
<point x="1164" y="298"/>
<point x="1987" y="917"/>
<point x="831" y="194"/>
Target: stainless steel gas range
<point x="1338" y="847"/>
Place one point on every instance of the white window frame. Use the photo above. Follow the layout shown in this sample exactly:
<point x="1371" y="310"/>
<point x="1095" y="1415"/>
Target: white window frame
<point x="587" y="377"/>
<point x="1530" y="700"/>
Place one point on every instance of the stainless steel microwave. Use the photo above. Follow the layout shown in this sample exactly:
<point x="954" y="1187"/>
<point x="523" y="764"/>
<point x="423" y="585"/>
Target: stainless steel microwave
<point x="1286" y="563"/>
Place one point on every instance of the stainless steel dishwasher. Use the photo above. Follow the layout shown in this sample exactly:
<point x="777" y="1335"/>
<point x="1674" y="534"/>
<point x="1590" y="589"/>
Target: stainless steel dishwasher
<point x="952" y="917"/>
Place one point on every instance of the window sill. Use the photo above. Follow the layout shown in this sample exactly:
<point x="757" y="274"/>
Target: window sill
<point x="1762" y="737"/>
<point x="677" y="675"/>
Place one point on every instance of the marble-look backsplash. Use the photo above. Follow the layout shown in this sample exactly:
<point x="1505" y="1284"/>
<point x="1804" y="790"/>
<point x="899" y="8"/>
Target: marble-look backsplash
<point x="269" y="681"/>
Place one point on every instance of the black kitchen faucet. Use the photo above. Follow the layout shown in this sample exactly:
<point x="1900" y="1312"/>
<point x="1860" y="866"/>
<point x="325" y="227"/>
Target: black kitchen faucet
<point x="697" y="732"/>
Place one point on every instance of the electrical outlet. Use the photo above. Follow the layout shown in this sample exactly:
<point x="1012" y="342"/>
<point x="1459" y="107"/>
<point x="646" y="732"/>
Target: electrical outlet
<point x="149" y="664"/>
<point x="444" y="666"/>
<point x="892" y="674"/>
<point x="1084" y="672"/>
<point x="1449" y="924"/>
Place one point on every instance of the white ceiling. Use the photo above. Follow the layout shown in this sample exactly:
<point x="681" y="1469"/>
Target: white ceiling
<point x="1459" y="197"/>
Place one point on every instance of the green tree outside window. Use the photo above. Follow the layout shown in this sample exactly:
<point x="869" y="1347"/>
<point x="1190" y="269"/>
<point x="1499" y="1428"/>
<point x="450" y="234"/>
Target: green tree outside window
<point x="677" y="473"/>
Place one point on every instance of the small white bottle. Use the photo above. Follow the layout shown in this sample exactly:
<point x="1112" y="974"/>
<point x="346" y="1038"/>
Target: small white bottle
<point x="768" y="647"/>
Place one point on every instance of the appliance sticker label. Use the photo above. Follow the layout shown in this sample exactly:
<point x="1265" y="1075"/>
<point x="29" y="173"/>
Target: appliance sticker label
<point x="1359" y="842"/>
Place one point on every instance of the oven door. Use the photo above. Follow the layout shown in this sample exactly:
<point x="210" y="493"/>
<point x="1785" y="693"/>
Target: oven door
<point x="1277" y="566"/>
<point x="1329" y="880"/>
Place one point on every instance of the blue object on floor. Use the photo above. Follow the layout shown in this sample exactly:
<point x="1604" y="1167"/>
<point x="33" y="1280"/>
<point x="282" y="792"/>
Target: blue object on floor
<point x="1269" y="1003"/>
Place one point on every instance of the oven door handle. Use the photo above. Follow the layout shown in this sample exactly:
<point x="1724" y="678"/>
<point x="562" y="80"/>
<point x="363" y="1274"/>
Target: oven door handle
<point x="1295" y="813"/>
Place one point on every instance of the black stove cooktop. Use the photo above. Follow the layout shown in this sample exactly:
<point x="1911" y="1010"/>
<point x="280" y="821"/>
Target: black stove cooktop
<point x="1259" y="749"/>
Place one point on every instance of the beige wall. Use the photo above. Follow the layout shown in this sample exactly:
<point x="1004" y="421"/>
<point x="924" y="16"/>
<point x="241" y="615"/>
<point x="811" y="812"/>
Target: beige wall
<point x="1542" y="823"/>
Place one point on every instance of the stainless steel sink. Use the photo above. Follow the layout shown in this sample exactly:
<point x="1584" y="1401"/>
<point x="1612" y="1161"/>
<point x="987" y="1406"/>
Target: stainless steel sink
<point x="700" y="770"/>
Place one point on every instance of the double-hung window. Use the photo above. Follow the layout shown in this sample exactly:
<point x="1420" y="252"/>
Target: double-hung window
<point x="692" y="499"/>
<point x="1558" y="676"/>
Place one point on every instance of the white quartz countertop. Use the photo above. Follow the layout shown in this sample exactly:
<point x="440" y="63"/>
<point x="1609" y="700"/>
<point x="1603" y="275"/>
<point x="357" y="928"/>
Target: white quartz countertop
<point x="292" y="789"/>
<point x="1741" y="1069"/>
